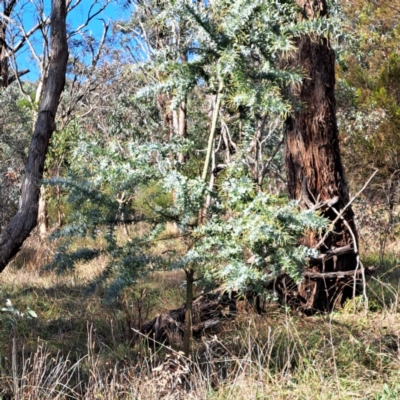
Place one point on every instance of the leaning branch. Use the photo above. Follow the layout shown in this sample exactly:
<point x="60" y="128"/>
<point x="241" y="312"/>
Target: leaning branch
<point x="17" y="75"/>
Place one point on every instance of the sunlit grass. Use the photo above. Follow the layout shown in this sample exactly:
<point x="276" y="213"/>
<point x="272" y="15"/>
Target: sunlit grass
<point x="80" y="347"/>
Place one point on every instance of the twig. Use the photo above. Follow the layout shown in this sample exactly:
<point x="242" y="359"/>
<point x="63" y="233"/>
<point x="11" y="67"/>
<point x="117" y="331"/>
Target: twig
<point x="320" y="243"/>
<point x="268" y="163"/>
<point x="180" y="353"/>
<point x="353" y="236"/>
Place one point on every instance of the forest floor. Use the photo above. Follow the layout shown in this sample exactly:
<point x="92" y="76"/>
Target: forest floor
<point x="81" y="348"/>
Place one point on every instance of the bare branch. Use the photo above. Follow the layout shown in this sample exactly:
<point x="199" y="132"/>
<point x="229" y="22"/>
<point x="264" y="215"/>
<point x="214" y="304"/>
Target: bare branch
<point x="27" y="35"/>
<point x="268" y="163"/>
<point x="96" y="57"/>
<point x="320" y="243"/>
<point x="90" y="16"/>
<point x="19" y="74"/>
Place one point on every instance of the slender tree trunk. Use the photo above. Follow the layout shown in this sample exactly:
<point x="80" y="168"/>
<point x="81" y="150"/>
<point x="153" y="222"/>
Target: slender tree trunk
<point x="187" y="335"/>
<point x="59" y="207"/>
<point x="313" y="163"/>
<point x="182" y="127"/>
<point x="25" y="219"/>
<point x="182" y="119"/>
<point x="190" y="272"/>
<point x="8" y="7"/>
<point x="209" y="154"/>
<point x="42" y="213"/>
<point x="211" y="136"/>
<point x="3" y="56"/>
<point x="175" y="122"/>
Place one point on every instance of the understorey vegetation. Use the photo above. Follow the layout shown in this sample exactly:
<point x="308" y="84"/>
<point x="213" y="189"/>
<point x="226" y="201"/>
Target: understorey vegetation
<point x="200" y="201"/>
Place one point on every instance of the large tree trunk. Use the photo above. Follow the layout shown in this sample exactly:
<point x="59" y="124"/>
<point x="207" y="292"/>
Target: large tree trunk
<point x="313" y="163"/>
<point x="25" y="220"/>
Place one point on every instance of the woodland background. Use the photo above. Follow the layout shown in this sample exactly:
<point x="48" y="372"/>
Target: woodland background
<point x="167" y="186"/>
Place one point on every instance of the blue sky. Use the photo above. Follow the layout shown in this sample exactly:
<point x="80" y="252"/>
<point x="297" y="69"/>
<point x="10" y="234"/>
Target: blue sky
<point x="28" y="17"/>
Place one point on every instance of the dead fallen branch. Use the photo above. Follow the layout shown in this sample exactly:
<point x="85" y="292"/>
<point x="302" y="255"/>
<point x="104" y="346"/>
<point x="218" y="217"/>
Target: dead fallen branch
<point x="341" y="274"/>
<point x="323" y="257"/>
<point x="208" y="311"/>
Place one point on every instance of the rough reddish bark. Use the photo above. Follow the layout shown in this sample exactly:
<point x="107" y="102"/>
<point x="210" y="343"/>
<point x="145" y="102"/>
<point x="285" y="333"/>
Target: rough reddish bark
<point x="313" y="163"/>
<point x="25" y="220"/>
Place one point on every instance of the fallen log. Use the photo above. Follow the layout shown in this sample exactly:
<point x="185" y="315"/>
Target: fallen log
<point x="209" y="310"/>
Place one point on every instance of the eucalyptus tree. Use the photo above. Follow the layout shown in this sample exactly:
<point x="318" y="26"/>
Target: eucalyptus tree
<point x="313" y="163"/>
<point x="25" y="28"/>
<point x="21" y="225"/>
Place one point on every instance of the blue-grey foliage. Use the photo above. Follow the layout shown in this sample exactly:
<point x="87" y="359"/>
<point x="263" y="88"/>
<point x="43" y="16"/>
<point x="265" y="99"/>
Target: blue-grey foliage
<point x="134" y="177"/>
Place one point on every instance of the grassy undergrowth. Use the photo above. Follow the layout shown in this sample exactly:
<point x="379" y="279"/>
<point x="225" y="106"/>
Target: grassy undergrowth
<point x="79" y="347"/>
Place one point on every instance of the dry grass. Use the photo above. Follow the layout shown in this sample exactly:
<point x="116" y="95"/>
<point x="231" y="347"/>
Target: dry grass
<point x="80" y="348"/>
<point x="348" y="356"/>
